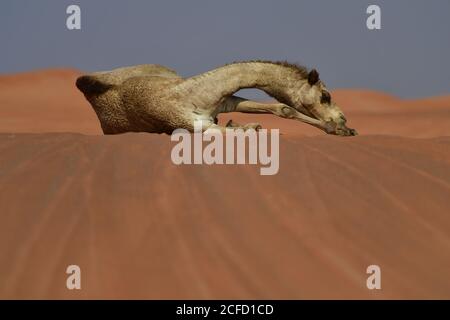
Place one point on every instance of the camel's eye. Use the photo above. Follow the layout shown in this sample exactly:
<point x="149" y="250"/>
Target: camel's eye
<point x="326" y="98"/>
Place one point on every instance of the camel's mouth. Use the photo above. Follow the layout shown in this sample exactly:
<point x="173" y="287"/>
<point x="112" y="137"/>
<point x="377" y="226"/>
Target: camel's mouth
<point x="332" y="127"/>
<point x="346" y="132"/>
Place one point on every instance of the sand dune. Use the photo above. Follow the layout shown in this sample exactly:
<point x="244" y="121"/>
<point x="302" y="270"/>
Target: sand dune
<point x="141" y="227"/>
<point x="45" y="101"/>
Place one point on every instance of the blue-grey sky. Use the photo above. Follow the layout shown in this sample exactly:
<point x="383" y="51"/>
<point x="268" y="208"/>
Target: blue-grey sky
<point x="408" y="57"/>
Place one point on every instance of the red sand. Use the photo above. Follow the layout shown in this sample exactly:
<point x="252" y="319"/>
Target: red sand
<point x="141" y="227"/>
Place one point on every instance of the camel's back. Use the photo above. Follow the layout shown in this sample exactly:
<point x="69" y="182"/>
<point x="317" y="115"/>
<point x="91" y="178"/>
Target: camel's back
<point x="99" y="82"/>
<point x="118" y="76"/>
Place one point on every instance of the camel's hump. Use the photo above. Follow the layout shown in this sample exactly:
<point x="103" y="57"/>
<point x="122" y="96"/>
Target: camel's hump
<point x="99" y="82"/>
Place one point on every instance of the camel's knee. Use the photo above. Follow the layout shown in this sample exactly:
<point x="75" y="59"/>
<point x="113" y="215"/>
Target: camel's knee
<point x="285" y="111"/>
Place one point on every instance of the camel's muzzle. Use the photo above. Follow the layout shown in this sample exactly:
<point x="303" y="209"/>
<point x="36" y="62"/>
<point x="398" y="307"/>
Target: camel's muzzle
<point x="339" y="129"/>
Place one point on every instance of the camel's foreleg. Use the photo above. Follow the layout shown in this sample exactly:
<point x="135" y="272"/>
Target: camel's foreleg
<point x="236" y="104"/>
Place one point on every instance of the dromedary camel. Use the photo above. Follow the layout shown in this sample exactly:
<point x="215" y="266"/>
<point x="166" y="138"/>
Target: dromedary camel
<point x="153" y="98"/>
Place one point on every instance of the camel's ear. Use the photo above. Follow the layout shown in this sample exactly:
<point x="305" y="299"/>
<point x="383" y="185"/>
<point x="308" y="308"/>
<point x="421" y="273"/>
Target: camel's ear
<point x="313" y="77"/>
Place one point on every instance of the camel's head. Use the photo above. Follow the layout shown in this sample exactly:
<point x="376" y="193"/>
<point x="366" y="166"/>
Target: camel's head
<point x="315" y="101"/>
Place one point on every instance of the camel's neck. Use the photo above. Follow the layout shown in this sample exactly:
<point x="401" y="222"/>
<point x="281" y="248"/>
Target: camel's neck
<point x="276" y="80"/>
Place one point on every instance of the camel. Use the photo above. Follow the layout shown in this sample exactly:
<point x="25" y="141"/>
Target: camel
<point x="154" y="98"/>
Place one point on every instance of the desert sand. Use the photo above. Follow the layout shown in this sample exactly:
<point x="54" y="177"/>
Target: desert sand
<point x="141" y="227"/>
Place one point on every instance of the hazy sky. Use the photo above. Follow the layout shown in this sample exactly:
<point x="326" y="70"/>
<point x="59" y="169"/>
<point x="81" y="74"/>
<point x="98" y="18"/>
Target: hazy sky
<point x="408" y="57"/>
